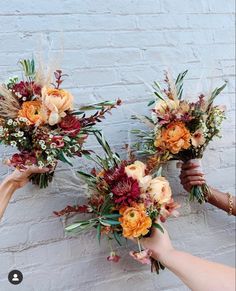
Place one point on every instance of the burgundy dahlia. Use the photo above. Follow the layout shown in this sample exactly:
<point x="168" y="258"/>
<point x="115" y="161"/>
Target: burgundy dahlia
<point x="126" y="191"/>
<point x="70" y="125"/>
<point x="116" y="174"/>
<point x="26" y="89"/>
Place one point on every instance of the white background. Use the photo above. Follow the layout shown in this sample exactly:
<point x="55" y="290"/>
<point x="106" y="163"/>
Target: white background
<point x="110" y="49"/>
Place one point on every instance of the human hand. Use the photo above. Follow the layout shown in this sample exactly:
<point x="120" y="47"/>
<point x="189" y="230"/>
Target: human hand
<point x="19" y="178"/>
<point x="191" y="175"/>
<point x="158" y="243"/>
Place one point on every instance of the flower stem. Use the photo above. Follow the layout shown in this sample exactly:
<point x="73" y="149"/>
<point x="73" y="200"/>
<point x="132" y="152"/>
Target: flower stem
<point x="139" y="245"/>
<point x="110" y="244"/>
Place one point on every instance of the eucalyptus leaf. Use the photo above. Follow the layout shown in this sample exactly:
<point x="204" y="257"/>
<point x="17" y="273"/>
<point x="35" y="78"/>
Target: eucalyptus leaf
<point x="151" y="102"/>
<point x="62" y="157"/>
<point x="117" y="238"/>
<point x="99" y="232"/>
<point x="114" y="215"/>
<point x="158" y="226"/>
<point x="111" y="222"/>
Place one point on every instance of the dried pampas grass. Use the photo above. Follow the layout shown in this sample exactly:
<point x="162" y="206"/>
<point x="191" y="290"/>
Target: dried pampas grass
<point x="46" y="68"/>
<point x="9" y="105"/>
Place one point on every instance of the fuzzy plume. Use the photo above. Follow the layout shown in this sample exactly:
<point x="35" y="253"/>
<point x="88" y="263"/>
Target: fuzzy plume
<point x="172" y="92"/>
<point x="9" y="105"/>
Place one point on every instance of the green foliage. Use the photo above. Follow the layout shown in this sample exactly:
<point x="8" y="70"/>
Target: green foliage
<point x="28" y="67"/>
<point x="158" y="226"/>
<point x="97" y="106"/>
<point x="179" y="84"/>
<point x="215" y="93"/>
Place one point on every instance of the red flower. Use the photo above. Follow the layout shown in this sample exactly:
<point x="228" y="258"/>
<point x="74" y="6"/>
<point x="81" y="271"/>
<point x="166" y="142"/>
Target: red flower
<point x="126" y="191"/>
<point x="114" y="175"/>
<point x="58" y="141"/>
<point x="26" y="89"/>
<point x="70" y="125"/>
<point x="22" y="160"/>
<point x="113" y="257"/>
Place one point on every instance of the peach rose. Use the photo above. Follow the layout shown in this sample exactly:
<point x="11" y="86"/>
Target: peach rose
<point x="135" y="221"/>
<point x="33" y="111"/>
<point x="159" y="190"/>
<point x="57" y="101"/>
<point x="174" y="137"/>
<point x="136" y="170"/>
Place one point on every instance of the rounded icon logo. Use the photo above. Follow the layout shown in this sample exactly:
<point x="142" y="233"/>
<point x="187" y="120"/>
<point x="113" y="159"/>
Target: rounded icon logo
<point x="15" y="277"/>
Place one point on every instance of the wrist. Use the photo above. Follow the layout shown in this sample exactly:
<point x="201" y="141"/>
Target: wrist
<point x="164" y="255"/>
<point x="167" y="257"/>
<point x="10" y="183"/>
<point x="209" y="195"/>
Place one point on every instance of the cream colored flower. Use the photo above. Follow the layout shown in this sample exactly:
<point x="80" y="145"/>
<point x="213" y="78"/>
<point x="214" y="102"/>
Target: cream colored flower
<point x="144" y="184"/>
<point x="136" y="170"/>
<point x="162" y="106"/>
<point x="159" y="190"/>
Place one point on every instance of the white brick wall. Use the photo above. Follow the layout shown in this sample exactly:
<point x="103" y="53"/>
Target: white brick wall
<point x="110" y="48"/>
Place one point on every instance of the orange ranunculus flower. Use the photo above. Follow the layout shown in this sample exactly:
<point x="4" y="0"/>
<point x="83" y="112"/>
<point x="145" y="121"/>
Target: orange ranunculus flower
<point x="174" y="137"/>
<point x="57" y="101"/>
<point x="33" y="111"/>
<point x="134" y="221"/>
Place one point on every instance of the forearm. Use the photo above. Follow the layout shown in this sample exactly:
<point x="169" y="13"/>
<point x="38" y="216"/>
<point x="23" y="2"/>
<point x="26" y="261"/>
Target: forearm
<point x="199" y="274"/>
<point x="7" y="188"/>
<point x="221" y="200"/>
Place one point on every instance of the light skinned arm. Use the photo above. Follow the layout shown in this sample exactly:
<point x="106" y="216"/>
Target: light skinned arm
<point x="198" y="274"/>
<point x="13" y="182"/>
<point x="192" y="175"/>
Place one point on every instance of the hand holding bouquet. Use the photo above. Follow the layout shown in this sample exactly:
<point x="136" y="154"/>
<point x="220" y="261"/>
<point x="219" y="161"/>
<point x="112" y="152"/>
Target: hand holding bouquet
<point x="181" y="129"/>
<point x="38" y="119"/>
<point x="125" y="200"/>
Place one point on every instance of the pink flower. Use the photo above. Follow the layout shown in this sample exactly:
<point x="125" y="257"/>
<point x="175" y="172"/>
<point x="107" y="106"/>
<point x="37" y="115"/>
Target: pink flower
<point x="58" y="141"/>
<point x="198" y="138"/>
<point x="113" y="257"/>
<point x="169" y="209"/>
<point x="142" y="257"/>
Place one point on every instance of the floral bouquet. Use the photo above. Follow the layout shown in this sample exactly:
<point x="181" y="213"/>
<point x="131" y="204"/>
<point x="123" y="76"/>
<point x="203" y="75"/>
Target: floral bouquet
<point x="125" y="200"/>
<point x="180" y="129"/>
<point x="38" y="119"/>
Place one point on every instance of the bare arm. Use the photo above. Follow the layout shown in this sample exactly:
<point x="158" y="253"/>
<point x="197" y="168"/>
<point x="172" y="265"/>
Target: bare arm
<point x="196" y="273"/>
<point x="13" y="182"/>
<point x="192" y="175"/>
<point x="7" y="188"/>
<point x="221" y="200"/>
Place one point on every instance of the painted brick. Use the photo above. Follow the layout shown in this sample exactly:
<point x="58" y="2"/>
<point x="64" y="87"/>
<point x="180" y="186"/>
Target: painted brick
<point x="117" y="49"/>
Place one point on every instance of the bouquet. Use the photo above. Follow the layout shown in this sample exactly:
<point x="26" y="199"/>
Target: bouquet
<point x="181" y="129"/>
<point x="125" y="201"/>
<point x="38" y="119"/>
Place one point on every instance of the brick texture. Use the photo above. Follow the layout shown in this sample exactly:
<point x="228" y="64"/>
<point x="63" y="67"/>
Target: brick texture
<point x="113" y="49"/>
